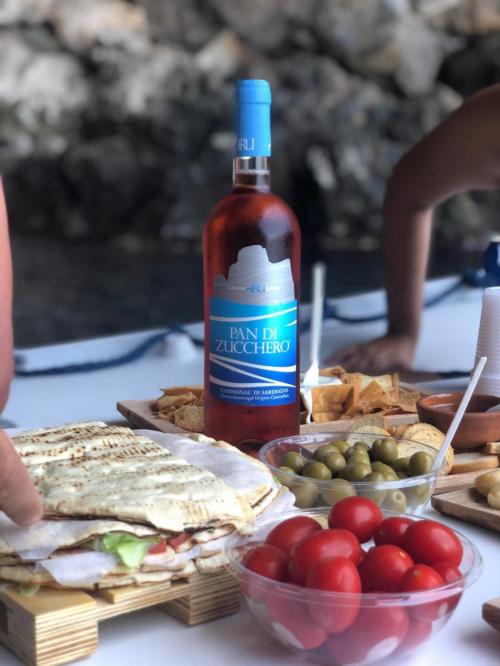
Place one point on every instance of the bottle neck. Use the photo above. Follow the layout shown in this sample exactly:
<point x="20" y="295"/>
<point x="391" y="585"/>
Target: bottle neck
<point x="253" y="173"/>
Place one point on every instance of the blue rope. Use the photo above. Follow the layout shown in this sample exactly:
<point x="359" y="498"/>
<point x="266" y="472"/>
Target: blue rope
<point x="140" y="350"/>
<point x="133" y="355"/>
<point x="331" y="311"/>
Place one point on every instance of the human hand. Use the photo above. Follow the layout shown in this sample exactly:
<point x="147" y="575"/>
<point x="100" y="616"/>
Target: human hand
<point x="18" y="496"/>
<point x="386" y="354"/>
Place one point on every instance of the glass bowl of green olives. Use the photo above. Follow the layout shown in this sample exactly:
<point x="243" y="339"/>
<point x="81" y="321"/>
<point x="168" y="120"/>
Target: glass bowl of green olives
<point x="321" y="469"/>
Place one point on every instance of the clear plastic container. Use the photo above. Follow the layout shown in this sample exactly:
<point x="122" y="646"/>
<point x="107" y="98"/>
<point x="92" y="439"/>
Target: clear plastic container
<point x="394" y="624"/>
<point x="402" y="495"/>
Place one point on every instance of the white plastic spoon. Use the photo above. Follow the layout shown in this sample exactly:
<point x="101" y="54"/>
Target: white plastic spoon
<point x="318" y="298"/>
<point x="438" y="461"/>
<point x="311" y="377"/>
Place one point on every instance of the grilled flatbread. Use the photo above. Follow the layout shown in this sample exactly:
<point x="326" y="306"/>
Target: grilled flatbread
<point x="114" y="481"/>
<point x="127" y="477"/>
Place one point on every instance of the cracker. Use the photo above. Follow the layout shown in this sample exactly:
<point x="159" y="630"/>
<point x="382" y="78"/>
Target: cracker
<point x="473" y="461"/>
<point x="190" y="418"/>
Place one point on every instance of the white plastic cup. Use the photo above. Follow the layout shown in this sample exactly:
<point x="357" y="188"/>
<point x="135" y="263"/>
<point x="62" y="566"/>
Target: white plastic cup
<point x="488" y="341"/>
<point x="489" y="385"/>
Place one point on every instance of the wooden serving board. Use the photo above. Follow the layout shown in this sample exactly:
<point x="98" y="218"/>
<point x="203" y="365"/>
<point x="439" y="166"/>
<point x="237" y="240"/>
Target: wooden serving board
<point x="140" y="415"/>
<point x="60" y="626"/>
<point x="453" y="482"/>
<point x="491" y="613"/>
<point x="467" y="504"/>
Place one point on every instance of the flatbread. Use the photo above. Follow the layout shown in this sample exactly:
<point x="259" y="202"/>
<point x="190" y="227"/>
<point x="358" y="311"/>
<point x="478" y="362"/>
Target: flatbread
<point x="128" y="477"/>
<point x="25" y="574"/>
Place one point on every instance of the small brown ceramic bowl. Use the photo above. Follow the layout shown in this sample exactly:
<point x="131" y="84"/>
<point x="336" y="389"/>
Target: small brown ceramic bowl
<point x="476" y="427"/>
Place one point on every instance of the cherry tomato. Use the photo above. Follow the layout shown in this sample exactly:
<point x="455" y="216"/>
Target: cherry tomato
<point x="288" y="533"/>
<point x="317" y="546"/>
<point x="383" y="567"/>
<point x="335" y="574"/>
<point x="430" y="542"/>
<point x="422" y="577"/>
<point x="376" y="633"/>
<point x="448" y="572"/>
<point x="267" y="561"/>
<point x="359" y="515"/>
<point x="158" y="548"/>
<point x="418" y="632"/>
<point x="291" y="621"/>
<point x="391" y="530"/>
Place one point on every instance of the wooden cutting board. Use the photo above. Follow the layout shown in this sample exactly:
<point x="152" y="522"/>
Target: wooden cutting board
<point x="491" y="613"/>
<point x="468" y="505"/>
<point x="453" y="482"/>
<point x="60" y="626"/>
<point x="140" y="415"/>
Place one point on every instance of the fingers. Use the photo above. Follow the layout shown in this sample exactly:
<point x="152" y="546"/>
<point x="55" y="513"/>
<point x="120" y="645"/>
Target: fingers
<point x="18" y="496"/>
<point x="355" y="359"/>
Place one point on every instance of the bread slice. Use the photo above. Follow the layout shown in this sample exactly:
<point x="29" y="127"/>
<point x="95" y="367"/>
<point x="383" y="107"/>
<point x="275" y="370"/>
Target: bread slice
<point x="424" y="433"/>
<point x="492" y="447"/>
<point x="473" y="462"/>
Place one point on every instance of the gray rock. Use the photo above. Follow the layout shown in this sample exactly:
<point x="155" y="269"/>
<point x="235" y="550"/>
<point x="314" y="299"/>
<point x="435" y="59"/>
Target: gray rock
<point x="473" y="17"/>
<point x="361" y="33"/>
<point x="421" y="53"/>
<point x="25" y="11"/>
<point x="81" y="24"/>
<point x="34" y="88"/>
<point x="268" y="26"/>
<point x="181" y="23"/>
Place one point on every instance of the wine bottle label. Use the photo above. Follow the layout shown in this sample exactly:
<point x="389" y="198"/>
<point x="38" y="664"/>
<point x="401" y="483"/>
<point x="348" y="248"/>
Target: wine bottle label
<point x="253" y="332"/>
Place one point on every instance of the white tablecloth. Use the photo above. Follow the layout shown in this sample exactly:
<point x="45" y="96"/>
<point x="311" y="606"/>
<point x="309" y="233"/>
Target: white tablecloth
<point x="148" y="637"/>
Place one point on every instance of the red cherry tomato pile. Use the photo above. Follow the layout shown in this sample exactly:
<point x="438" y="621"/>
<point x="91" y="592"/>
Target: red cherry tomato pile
<point x="408" y="556"/>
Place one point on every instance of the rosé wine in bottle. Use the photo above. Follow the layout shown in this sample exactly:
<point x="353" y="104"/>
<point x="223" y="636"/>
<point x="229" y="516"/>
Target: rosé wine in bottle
<point x="251" y="255"/>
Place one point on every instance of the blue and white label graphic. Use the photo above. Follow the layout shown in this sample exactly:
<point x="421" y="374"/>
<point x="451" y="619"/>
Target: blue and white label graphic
<point x="253" y="331"/>
<point x="253" y="352"/>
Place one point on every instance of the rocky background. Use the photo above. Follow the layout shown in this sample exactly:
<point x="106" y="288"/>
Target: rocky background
<point x="115" y="139"/>
<point x="115" y="116"/>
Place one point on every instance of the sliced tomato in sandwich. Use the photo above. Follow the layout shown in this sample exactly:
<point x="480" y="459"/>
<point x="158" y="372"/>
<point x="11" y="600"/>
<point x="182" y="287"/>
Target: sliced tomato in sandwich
<point x="176" y="541"/>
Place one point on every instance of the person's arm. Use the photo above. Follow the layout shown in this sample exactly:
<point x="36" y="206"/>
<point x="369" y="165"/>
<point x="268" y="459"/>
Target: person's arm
<point x="6" y="342"/>
<point x="18" y="496"/>
<point x="462" y="153"/>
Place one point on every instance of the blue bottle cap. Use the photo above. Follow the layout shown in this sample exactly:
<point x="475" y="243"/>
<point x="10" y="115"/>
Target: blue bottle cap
<point x="253" y="118"/>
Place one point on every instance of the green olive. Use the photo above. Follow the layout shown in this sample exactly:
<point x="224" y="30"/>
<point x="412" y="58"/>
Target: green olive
<point x="357" y="453"/>
<point x="375" y="494"/>
<point x="385" y="450"/>
<point x="418" y="495"/>
<point x="317" y="470"/>
<point x="283" y="478"/>
<point x="294" y="460"/>
<point x="323" y="450"/>
<point x="362" y="445"/>
<point x="388" y="472"/>
<point x="402" y="464"/>
<point x="335" y="461"/>
<point x="306" y="494"/>
<point x="338" y="489"/>
<point x="355" y="471"/>
<point x="402" y="474"/>
<point x="359" y="458"/>
<point x="342" y="446"/>
<point x="421" y="463"/>
<point x="395" y="500"/>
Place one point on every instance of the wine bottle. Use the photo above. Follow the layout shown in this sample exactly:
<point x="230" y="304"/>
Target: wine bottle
<point x="251" y="255"/>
